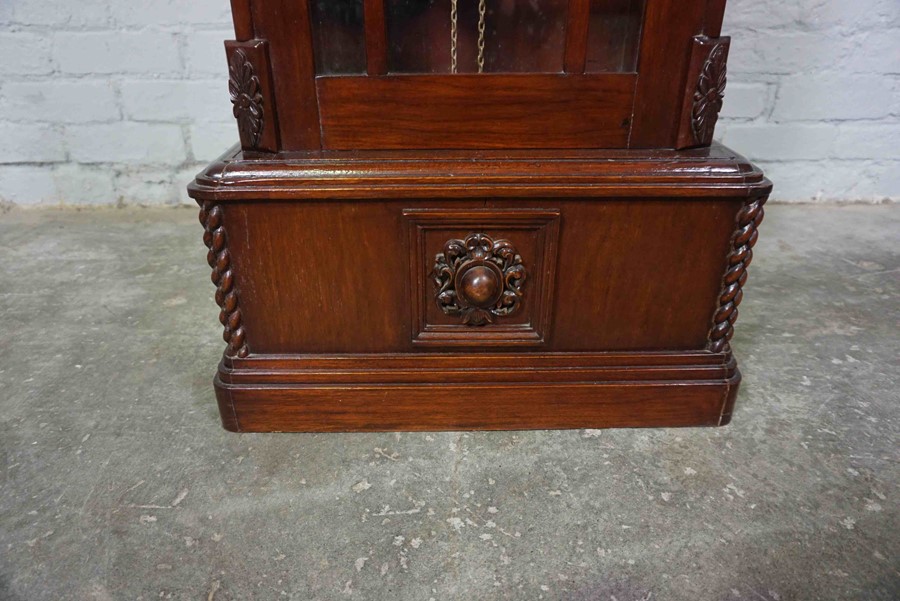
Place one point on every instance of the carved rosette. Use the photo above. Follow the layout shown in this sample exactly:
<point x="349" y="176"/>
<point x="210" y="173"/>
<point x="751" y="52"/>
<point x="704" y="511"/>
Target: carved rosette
<point x="708" y="96"/>
<point x="246" y="96"/>
<point x="742" y="242"/>
<point x="478" y="279"/>
<point x="219" y="259"/>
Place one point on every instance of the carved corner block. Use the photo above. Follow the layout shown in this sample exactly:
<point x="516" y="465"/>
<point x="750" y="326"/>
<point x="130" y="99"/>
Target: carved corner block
<point x="743" y="240"/>
<point x="704" y="91"/>
<point x="481" y="277"/>
<point x="252" y="94"/>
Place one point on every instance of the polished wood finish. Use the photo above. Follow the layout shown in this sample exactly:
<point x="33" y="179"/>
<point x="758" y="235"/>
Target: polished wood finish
<point x="218" y="256"/>
<point x="251" y="90"/>
<point x="243" y="20"/>
<point x="484" y="407"/>
<point x="704" y="92"/>
<point x="509" y="391"/>
<point x="523" y="320"/>
<point x="614" y="272"/>
<point x="340" y="300"/>
<point x="376" y="38"/>
<point x="665" y="49"/>
<point x="576" y="36"/>
<point x="378" y="110"/>
<point x="715" y="12"/>
<point x="497" y="111"/>
<point x="286" y="26"/>
<point x="710" y="172"/>
<point x="478" y="251"/>
<point x="742" y="242"/>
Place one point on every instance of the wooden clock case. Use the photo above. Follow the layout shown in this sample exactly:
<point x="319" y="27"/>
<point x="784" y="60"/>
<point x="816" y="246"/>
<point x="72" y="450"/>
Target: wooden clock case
<point x="478" y="250"/>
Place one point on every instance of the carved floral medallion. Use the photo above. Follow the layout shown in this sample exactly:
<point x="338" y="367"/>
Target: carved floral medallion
<point x="478" y="279"/>
<point x="246" y="96"/>
<point x="709" y="95"/>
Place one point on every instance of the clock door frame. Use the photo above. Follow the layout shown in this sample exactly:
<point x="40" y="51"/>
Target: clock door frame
<point x="574" y="109"/>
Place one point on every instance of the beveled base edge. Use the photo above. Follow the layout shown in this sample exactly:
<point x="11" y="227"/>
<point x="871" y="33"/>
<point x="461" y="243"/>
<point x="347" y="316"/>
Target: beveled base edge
<point x="394" y="399"/>
<point x="712" y="172"/>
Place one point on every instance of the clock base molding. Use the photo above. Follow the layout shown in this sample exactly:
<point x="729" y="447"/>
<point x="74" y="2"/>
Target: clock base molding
<point x="518" y="391"/>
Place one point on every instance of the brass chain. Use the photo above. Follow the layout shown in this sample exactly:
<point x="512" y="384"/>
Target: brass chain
<point x="481" y="11"/>
<point x="453" y="32"/>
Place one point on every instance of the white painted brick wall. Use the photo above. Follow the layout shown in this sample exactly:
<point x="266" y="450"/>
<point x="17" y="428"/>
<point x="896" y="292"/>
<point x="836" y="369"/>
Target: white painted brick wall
<point x="114" y="101"/>
<point x="814" y="95"/>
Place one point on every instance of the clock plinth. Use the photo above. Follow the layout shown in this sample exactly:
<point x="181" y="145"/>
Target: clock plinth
<point x="502" y="227"/>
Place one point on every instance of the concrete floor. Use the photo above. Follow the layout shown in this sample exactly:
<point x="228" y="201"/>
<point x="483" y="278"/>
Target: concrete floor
<point x="117" y="482"/>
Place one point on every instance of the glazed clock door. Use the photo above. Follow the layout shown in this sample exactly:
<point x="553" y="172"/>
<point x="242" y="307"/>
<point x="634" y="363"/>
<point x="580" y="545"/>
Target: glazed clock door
<point x="479" y="74"/>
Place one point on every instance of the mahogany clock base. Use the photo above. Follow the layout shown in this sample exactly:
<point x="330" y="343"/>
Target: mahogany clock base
<point x="368" y="291"/>
<point x="498" y="392"/>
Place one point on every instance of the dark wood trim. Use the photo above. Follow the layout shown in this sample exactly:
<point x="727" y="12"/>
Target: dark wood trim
<point x="496" y="251"/>
<point x="376" y="38"/>
<point x="243" y="20"/>
<point x="440" y="362"/>
<point x="446" y="367"/>
<point x="252" y="94"/>
<point x="286" y="26"/>
<point x="742" y="242"/>
<point x="577" y="35"/>
<point x="715" y="13"/>
<point x="731" y="392"/>
<point x="489" y="392"/>
<point x="652" y="116"/>
<point x="215" y="237"/>
<point x="698" y="173"/>
<point x="539" y="283"/>
<point x="392" y="402"/>
<point x="475" y="111"/>
<point x="704" y="91"/>
<point x="666" y="39"/>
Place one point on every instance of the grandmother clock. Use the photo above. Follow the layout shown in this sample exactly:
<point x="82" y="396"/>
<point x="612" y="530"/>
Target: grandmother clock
<point x="477" y="214"/>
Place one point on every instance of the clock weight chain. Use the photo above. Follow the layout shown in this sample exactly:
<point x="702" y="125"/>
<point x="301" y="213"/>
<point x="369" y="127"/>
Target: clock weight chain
<point x="454" y="34"/>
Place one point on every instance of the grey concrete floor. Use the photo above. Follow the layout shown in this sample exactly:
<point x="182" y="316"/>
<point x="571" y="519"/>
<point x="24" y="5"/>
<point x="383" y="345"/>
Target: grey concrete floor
<point x="117" y="482"/>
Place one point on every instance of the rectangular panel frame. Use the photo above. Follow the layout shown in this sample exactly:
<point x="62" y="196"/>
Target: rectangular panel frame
<point x="534" y="333"/>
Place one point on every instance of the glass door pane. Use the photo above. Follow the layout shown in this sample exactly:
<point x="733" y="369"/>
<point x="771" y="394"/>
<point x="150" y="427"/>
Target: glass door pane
<point x="527" y="36"/>
<point x="339" y="41"/>
<point x="476" y="36"/>
<point x="419" y="35"/>
<point x="614" y="34"/>
<point x="472" y="36"/>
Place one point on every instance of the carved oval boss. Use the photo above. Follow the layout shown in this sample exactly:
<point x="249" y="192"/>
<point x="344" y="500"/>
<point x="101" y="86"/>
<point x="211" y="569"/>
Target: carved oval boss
<point x="478" y="279"/>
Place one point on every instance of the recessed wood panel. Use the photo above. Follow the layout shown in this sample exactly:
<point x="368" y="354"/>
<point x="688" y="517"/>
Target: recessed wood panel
<point x="334" y="277"/>
<point x="475" y="111"/>
<point x="639" y="275"/>
<point x="532" y="236"/>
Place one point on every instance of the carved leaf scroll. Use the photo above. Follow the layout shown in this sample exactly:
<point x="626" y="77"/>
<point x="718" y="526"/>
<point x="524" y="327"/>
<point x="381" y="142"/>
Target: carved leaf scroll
<point x="710" y="92"/>
<point x="478" y="279"/>
<point x="246" y="96"/>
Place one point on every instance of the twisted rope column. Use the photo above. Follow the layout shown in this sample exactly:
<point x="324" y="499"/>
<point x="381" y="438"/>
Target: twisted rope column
<point x="219" y="259"/>
<point x="742" y="242"/>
